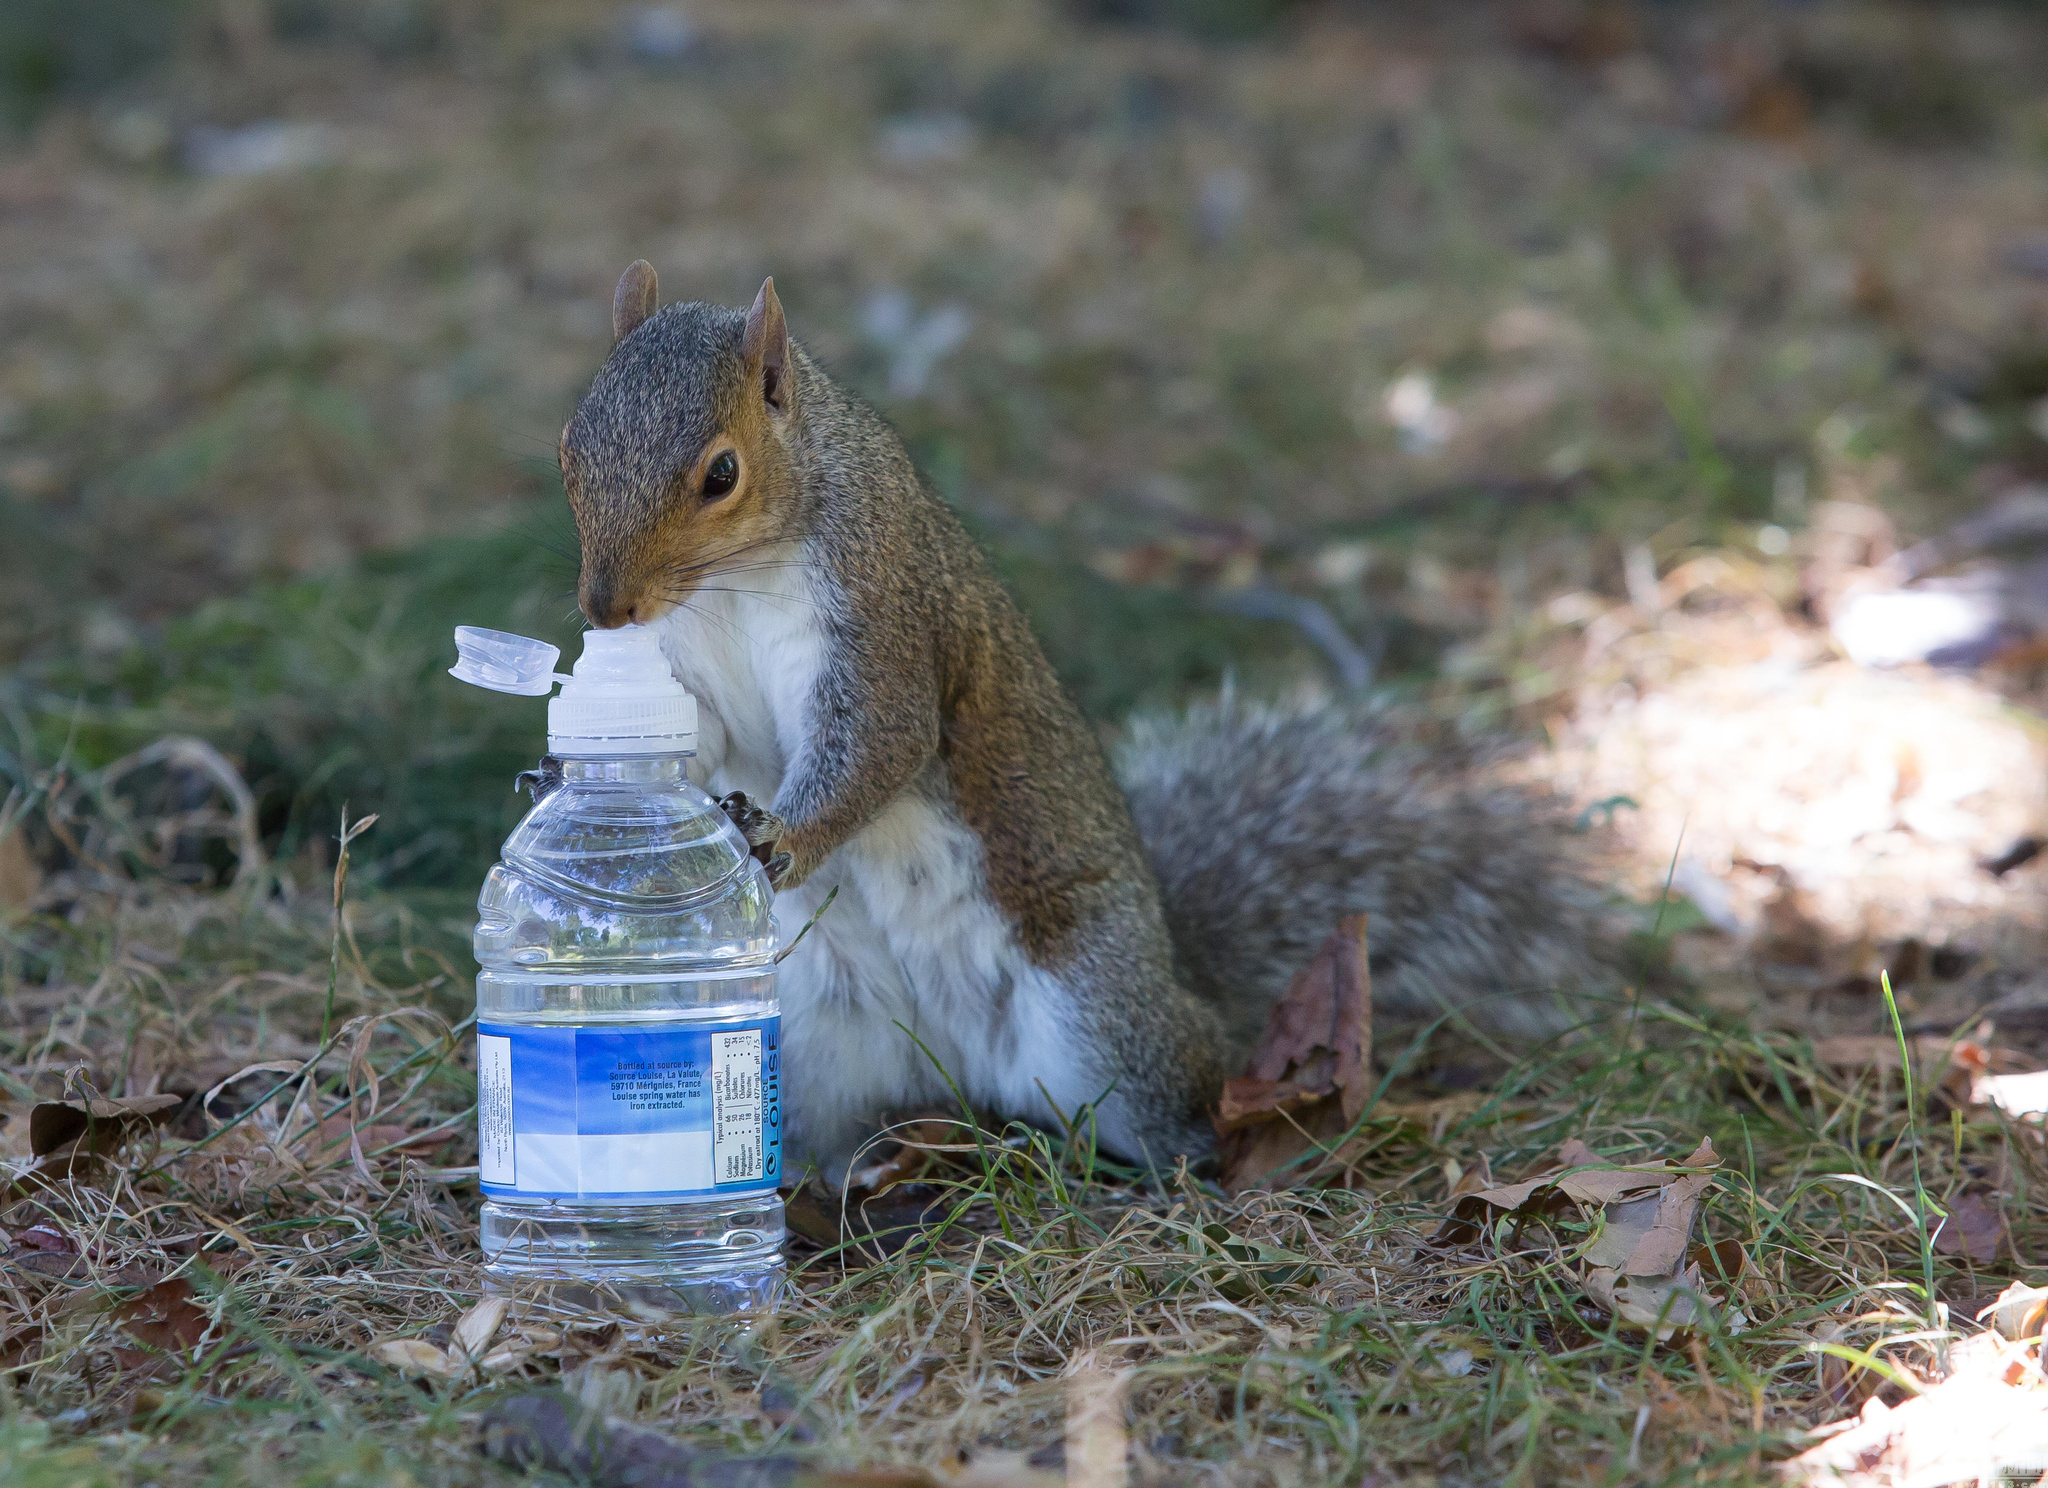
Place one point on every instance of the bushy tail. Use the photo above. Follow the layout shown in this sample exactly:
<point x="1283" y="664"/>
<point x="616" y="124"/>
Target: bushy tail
<point x="1267" y="826"/>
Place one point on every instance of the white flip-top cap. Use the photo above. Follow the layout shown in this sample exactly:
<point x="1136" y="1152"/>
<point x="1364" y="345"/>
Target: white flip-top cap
<point x="621" y="698"/>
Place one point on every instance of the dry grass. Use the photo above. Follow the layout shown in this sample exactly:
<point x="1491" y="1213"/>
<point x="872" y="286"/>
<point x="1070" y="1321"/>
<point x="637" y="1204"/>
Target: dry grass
<point x="1646" y="291"/>
<point x="206" y="1308"/>
<point x="1192" y="275"/>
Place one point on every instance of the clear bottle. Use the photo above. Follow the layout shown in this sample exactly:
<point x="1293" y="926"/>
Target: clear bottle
<point x="628" y="1035"/>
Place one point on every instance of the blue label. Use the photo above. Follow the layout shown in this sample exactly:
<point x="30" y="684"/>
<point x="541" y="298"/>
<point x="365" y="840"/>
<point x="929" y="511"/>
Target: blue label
<point x="631" y="1114"/>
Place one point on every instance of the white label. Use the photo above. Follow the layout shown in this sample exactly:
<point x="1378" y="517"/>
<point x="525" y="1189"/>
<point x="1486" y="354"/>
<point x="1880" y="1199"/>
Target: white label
<point x="736" y="1105"/>
<point x="494" y="1110"/>
<point x="643" y="1162"/>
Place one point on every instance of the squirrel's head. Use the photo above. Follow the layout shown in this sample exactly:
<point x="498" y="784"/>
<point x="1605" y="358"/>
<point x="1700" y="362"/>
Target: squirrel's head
<point x="677" y="461"/>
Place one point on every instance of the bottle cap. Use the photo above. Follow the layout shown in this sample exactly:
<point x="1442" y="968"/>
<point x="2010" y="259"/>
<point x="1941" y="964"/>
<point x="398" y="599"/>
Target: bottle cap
<point x="505" y="662"/>
<point x="621" y="698"/>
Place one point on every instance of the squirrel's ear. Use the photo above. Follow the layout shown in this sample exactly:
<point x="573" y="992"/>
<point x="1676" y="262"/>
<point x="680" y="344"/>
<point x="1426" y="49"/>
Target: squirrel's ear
<point x="633" y="300"/>
<point x="766" y="346"/>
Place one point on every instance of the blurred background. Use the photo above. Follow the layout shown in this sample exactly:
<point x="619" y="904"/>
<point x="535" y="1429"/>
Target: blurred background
<point x="1664" y="384"/>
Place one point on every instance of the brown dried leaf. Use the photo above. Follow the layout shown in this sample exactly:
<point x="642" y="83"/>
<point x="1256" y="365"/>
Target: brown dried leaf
<point x="22" y="1345"/>
<point x="1651" y="1236"/>
<point x="1973" y="1228"/>
<point x="1475" y="1179"/>
<point x="104" y="1124"/>
<point x="1248" y="1100"/>
<point x="71" y="1140"/>
<point x="1575" y="1183"/>
<point x="1311" y="1075"/>
<point x="870" y="1226"/>
<point x="46" y="1251"/>
<point x="45" y="1238"/>
<point x="1726" y="1262"/>
<point x="1660" y="1304"/>
<point x="1319" y="1034"/>
<point x="1279" y="1151"/>
<point x="1844" y="1383"/>
<point x="1641" y="1264"/>
<point x="165" y="1318"/>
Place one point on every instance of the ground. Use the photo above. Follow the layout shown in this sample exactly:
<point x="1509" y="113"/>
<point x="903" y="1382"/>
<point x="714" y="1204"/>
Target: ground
<point x="1550" y="369"/>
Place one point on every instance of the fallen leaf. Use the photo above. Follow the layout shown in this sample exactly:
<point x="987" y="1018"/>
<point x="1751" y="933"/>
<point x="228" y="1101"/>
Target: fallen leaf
<point x="478" y="1327"/>
<point x="1972" y="1427"/>
<point x="1844" y="1382"/>
<point x="46" y="1251"/>
<point x="1649" y="1236"/>
<point x="72" y="1139"/>
<point x="506" y="1359"/>
<point x="1277" y="1151"/>
<point x="416" y="1356"/>
<point x="1446" y="1359"/>
<point x="1475" y="1179"/>
<point x="1660" y="1304"/>
<point x="1639" y="1263"/>
<point x="22" y="1345"/>
<point x="164" y="1318"/>
<point x="2019" y="1312"/>
<point x="43" y="1238"/>
<point x="1973" y="1228"/>
<point x="1582" y="1179"/>
<point x="106" y="1124"/>
<point x="1243" y="1270"/>
<point x="1311" y="1074"/>
<point x="858" y="1225"/>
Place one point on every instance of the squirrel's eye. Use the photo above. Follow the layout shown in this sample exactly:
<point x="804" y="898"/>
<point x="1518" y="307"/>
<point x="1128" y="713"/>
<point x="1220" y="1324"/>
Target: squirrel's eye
<point x="721" y="476"/>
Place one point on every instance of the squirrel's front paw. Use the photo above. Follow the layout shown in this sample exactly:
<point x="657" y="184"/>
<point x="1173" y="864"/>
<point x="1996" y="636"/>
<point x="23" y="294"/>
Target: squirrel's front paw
<point x="763" y="829"/>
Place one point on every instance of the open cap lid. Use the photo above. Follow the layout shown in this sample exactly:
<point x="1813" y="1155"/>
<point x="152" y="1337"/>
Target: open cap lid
<point x="505" y="662"/>
<point x="621" y="698"/>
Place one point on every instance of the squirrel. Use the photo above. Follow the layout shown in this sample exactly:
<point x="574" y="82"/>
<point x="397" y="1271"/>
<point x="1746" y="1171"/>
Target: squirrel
<point x="1013" y="919"/>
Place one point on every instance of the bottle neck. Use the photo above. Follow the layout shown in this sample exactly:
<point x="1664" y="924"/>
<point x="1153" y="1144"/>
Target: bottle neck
<point x="632" y="769"/>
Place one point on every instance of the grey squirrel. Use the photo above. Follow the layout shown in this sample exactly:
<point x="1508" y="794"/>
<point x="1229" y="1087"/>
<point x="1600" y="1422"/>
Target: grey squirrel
<point x="879" y="719"/>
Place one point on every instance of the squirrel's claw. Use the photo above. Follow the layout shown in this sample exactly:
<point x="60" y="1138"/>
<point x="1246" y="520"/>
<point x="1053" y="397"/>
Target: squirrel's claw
<point x="762" y="829"/>
<point x="542" y="780"/>
<point x="778" y="869"/>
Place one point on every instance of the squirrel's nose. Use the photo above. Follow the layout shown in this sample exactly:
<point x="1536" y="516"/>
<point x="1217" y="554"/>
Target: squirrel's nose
<point x="602" y="606"/>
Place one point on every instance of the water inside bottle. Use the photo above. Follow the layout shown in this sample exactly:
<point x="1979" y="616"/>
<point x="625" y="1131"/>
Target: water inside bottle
<point x="629" y="1050"/>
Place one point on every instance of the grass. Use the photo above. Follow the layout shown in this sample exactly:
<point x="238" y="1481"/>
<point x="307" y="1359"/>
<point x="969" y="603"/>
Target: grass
<point x="333" y="689"/>
<point x="266" y="443"/>
<point x="1316" y="1337"/>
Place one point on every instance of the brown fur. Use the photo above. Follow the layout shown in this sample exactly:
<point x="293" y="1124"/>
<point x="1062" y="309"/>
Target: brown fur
<point x="932" y="682"/>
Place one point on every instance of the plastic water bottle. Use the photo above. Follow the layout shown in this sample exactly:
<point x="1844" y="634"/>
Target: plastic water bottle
<point x="628" y="1035"/>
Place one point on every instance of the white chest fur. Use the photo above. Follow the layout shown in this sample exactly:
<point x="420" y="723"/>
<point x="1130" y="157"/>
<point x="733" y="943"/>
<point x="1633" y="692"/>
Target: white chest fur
<point x="913" y="952"/>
